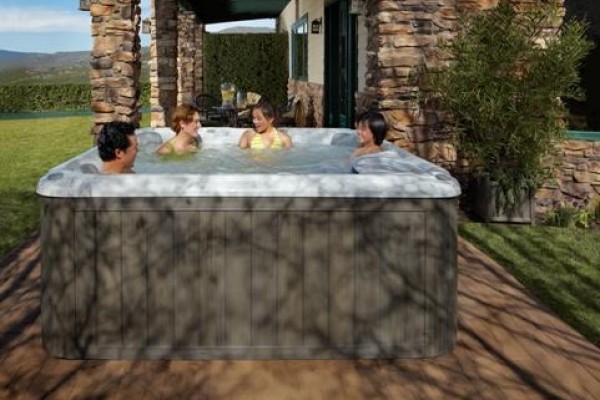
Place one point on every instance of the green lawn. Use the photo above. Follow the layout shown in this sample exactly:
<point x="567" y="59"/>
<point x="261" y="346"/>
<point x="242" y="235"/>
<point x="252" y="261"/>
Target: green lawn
<point x="28" y="149"/>
<point x="561" y="266"/>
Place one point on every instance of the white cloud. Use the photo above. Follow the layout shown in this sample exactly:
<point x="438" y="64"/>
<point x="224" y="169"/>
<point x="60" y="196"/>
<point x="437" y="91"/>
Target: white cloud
<point x="35" y="19"/>
<point x="262" y="23"/>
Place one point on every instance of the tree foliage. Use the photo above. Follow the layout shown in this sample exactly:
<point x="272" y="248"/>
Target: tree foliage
<point x="504" y="87"/>
<point x="252" y="62"/>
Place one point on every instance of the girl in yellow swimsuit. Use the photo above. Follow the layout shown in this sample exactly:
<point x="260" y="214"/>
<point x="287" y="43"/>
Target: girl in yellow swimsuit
<point x="264" y="135"/>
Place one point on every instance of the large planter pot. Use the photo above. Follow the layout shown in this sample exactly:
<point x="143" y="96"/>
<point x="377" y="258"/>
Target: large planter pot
<point x="485" y="200"/>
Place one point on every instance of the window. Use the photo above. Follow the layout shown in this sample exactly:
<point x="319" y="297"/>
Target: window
<point x="300" y="49"/>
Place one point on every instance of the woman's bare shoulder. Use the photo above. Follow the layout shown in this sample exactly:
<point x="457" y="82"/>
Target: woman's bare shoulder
<point x="245" y="139"/>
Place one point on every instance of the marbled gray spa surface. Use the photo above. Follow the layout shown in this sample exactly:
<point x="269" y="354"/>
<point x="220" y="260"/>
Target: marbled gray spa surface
<point x="319" y="165"/>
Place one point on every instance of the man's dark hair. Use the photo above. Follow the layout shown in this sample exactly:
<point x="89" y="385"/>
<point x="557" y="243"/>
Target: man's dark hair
<point x="114" y="135"/>
<point x="376" y="123"/>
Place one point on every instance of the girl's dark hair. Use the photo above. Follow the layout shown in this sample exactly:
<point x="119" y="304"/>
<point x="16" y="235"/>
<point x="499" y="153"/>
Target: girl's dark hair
<point x="268" y="110"/>
<point x="376" y="124"/>
<point x="114" y="135"/>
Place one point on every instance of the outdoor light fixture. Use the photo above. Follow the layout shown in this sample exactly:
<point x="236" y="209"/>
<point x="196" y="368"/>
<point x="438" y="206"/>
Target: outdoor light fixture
<point x="355" y="7"/>
<point x="84" y="5"/>
<point x="315" y="25"/>
<point x="146" y="26"/>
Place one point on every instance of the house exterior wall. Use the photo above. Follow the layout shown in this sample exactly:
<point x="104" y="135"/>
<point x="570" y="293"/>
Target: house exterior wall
<point x="316" y="41"/>
<point x="310" y="91"/>
<point x="363" y="35"/>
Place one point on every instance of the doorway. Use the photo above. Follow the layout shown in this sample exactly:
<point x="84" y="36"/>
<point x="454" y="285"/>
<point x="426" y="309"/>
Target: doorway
<point x="341" y="59"/>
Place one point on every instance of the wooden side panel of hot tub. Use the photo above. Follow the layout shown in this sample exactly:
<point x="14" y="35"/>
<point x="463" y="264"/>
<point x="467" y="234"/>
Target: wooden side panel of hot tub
<point x="248" y="278"/>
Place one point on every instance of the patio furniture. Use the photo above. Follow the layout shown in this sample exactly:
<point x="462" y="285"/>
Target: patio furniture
<point x="292" y="113"/>
<point x="206" y="104"/>
<point x="228" y="116"/>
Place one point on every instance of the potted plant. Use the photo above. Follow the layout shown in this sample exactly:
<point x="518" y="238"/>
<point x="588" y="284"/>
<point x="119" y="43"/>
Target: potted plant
<point x="502" y="90"/>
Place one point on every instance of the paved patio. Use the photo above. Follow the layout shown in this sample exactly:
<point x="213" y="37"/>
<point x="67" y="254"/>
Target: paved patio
<point x="509" y="347"/>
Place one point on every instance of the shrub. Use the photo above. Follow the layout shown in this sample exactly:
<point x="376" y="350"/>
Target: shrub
<point x="252" y="62"/>
<point x="503" y="90"/>
<point x="64" y="97"/>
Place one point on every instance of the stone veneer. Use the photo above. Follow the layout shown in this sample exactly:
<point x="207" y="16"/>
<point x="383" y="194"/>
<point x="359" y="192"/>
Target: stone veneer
<point x="189" y="44"/>
<point x="311" y="100"/>
<point x="577" y="176"/>
<point x="163" y="61"/>
<point x="175" y="59"/>
<point x="115" y="61"/>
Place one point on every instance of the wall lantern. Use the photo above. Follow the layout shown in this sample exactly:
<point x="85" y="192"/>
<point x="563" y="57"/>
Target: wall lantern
<point x="355" y="7"/>
<point x="315" y="25"/>
<point x="84" y="5"/>
<point x="146" y="26"/>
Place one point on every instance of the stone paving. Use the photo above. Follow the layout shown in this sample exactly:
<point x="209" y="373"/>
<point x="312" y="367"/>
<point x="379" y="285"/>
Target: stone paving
<point x="509" y="347"/>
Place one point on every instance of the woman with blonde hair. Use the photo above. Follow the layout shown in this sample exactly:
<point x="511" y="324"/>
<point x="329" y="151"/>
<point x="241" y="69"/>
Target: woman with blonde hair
<point x="186" y="125"/>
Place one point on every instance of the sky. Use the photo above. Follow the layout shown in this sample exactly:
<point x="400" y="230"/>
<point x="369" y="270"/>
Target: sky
<point x="51" y="26"/>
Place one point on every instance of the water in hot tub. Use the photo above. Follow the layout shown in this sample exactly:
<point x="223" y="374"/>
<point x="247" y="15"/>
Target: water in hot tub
<point x="229" y="158"/>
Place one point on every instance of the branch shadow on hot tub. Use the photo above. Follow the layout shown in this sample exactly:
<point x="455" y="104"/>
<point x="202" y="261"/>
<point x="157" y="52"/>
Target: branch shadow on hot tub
<point x="248" y="276"/>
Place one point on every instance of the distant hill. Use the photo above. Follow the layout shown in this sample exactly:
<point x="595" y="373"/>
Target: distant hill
<point x="56" y="68"/>
<point x="246" y="29"/>
<point x="7" y="55"/>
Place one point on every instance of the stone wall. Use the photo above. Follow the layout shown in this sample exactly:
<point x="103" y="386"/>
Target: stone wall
<point x="577" y="177"/>
<point x="175" y="59"/>
<point x="311" y="98"/>
<point x="189" y="44"/>
<point x="401" y="45"/>
<point x="163" y="61"/>
<point x="115" y="61"/>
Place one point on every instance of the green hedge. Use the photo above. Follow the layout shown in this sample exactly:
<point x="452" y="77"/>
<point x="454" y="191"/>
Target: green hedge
<point x="253" y="62"/>
<point x="66" y="97"/>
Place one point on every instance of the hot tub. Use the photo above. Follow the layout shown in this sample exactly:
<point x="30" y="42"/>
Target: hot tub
<point x="248" y="265"/>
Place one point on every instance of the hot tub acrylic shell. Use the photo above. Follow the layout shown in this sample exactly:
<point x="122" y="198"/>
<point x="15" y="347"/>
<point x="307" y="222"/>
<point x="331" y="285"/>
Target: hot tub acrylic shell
<point x="257" y="274"/>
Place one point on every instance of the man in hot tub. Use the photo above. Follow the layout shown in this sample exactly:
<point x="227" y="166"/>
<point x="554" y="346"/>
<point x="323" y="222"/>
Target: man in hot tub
<point x="117" y="147"/>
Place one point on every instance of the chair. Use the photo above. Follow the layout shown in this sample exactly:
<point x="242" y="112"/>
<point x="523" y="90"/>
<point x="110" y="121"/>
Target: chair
<point x="292" y="113"/>
<point x="206" y="104"/>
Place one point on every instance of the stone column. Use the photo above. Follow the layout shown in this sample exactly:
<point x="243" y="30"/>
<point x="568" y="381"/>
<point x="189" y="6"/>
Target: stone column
<point x="163" y="61"/>
<point x="199" y="59"/>
<point x="115" y="63"/>
<point x="186" y="43"/>
<point x="400" y="47"/>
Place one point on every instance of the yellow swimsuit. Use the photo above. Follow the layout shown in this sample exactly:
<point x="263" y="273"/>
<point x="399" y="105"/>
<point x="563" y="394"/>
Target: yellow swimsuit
<point x="257" y="142"/>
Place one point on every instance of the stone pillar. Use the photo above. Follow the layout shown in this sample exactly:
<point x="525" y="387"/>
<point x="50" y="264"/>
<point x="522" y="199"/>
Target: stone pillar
<point x="163" y="61"/>
<point x="186" y="49"/>
<point x="115" y="62"/>
<point x="199" y="59"/>
<point x="400" y="47"/>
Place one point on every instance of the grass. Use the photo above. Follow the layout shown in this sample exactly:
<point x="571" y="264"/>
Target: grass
<point x="29" y="148"/>
<point x="561" y="266"/>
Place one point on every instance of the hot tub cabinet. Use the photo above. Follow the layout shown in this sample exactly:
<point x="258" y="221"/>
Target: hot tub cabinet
<point x="303" y="272"/>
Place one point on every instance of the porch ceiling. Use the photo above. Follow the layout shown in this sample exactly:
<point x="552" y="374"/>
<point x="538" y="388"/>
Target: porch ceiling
<point x="211" y="11"/>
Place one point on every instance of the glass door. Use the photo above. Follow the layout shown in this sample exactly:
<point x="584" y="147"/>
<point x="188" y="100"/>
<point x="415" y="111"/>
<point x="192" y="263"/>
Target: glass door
<point x="340" y="65"/>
